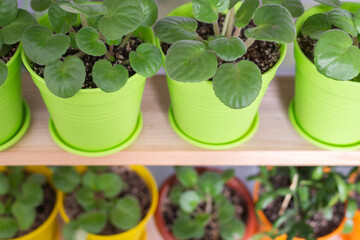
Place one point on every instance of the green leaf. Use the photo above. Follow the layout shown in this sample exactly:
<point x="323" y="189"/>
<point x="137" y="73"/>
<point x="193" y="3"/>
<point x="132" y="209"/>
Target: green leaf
<point x="246" y="12"/>
<point x="317" y="173"/>
<point x="89" y="180"/>
<point x="61" y="20"/>
<point x="228" y="49"/>
<point x="186" y="228"/>
<point x="8" y="12"/>
<point x="226" y="211"/>
<point x="123" y="17"/>
<point x="72" y="231"/>
<point x="267" y="198"/>
<point x="109" y="78"/>
<point x="8" y="228"/>
<point x="80" y="1"/>
<point x="24" y="214"/>
<point x="187" y="176"/>
<point x="173" y="29"/>
<point x="342" y="187"/>
<point x="349" y="226"/>
<point x="4" y="184"/>
<point x="147" y="60"/>
<point x="32" y="194"/>
<point x="336" y="57"/>
<point x="13" y="32"/>
<point x="88" y="41"/>
<point x="111" y="184"/>
<point x="357" y="20"/>
<point x="351" y="208"/>
<point x="274" y="23"/>
<point x="331" y="3"/>
<point x="65" y="79"/>
<point x="232" y="230"/>
<point x="316" y="25"/>
<point x="86" y="198"/>
<point x="190" y="61"/>
<point x="342" y="19"/>
<point x="42" y="46"/>
<point x="41" y="5"/>
<point x="36" y="178"/>
<point x="175" y="194"/>
<point x="205" y="10"/>
<point x="189" y="201"/>
<point x="66" y="179"/>
<point x="237" y="86"/>
<point x="90" y="10"/>
<point x="211" y="183"/>
<point x="16" y="177"/>
<point x="150" y="12"/>
<point x="1" y="42"/>
<point x="2" y="208"/>
<point x="203" y="219"/>
<point x="93" y="222"/>
<point x="227" y="175"/>
<point x="126" y="214"/>
<point x="295" y="7"/>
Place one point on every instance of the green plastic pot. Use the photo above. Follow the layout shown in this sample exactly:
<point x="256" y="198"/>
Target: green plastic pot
<point x="14" y="112"/>
<point x="325" y="112"/>
<point x="201" y="119"/>
<point x="94" y="123"/>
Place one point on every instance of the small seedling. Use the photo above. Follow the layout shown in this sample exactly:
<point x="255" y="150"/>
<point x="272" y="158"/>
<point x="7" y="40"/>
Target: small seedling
<point x="13" y="22"/>
<point x="20" y="194"/>
<point x="312" y="190"/>
<point x="103" y="26"/>
<point x="337" y="51"/>
<point x="97" y="192"/>
<point x="207" y="189"/>
<point x="193" y="59"/>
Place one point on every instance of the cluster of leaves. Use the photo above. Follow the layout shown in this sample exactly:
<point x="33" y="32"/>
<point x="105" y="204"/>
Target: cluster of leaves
<point x="206" y="189"/>
<point x="337" y="51"/>
<point x="97" y="192"/>
<point x="111" y="23"/>
<point x="193" y="59"/>
<point x="312" y="191"/>
<point x="13" y="22"/>
<point x="20" y="194"/>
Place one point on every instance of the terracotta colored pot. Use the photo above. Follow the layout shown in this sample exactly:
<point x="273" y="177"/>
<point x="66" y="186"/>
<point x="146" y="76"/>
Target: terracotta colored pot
<point x="235" y="184"/>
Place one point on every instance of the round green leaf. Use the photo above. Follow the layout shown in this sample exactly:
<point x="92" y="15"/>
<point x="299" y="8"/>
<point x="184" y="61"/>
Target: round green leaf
<point x="295" y="7"/>
<point x="147" y="60"/>
<point x="89" y="180"/>
<point x="42" y="46"/>
<point x="61" y="20"/>
<point x="331" y="3"/>
<point x="72" y="231"/>
<point x="13" y="32"/>
<point x="126" y="214"/>
<point x="90" y="10"/>
<point x="87" y="39"/>
<point x="122" y="17"/>
<point x="226" y="211"/>
<point x="189" y="201"/>
<point x="24" y="214"/>
<point x="316" y="25"/>
<point x="8" y="228"/>
<point x="211" y="183"/>
<point x="111" y="184"/>
<point x="3" y="72"/>
<point x="173" y="29"/>
<point x="109" y="78"/>
<point x="65" y="79"/>
<point x="234" y="229"/>
<point x="274" y="23"/>
<point x="86" y="198"/>
<point x="80" y="1"/>
<point x="228" y="49"/>
<point x="66" y="179"/>
<point x="205" y="10"/>
<point x="342" y="19"/>
<point x="175" y="194"/>
<point x="1" y="41"/>
<point x="336" y="57"/>
<point x="357" y="20"/>
<point x="150" y="12"/>
<point x="37" y="179"/>
<point x="187" y="176"/>
<point x="246" y="12"/>
<point x="93" y="222"/>
<point x="237" y="86"/>
<point x="4" y="184"/>
<point x="187" y="228"/>
<point x="41" y="5"/>
<point x="8" y="11"/>
<point x="190" y="61"/>
<point x="227" y="175"/>
<point x="31" y="194"/>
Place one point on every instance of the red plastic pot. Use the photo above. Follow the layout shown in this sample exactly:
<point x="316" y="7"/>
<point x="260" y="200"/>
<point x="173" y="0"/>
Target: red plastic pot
<point x="235" y="184"/>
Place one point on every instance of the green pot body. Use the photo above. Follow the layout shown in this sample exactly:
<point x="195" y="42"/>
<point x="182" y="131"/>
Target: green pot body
<point x="202" y="116"/>
<point x="11" y="101"/>
<point x="92" y="120"/>
<point x="327" y="110"/>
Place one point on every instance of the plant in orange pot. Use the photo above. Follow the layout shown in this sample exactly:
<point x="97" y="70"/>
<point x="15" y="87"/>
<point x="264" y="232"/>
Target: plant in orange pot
<point x="302" y="203"/>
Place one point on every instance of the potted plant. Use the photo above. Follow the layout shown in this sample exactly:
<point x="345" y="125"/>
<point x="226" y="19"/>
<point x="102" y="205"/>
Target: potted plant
<point x="28" y="204"/>
<point x="111" y="202"/>
<point x="219" y="66"/>
<point x="205" y="204"/>
<point x="14" y="112"/>
<point x="302" y="203"/>
<point x="83" y="70"/>
<point x="325" y="110"/>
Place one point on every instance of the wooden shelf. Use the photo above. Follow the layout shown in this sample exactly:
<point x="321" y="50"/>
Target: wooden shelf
<point x="275" y="143"/>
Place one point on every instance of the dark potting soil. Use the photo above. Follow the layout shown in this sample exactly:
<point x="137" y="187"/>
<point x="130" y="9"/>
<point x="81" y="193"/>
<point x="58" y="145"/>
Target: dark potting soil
<point x="171" y="212"/>
<point x="12" y="50"/>
<point x="264" y="54"/>
<point x="307" y="45"/>
<point x="356" y="194"/>
<point x="135" y="187"/>
<point x="318" y="222"/>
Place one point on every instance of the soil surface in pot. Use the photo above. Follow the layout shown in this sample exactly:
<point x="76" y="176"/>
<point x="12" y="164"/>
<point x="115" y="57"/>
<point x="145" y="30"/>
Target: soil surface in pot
<point x="264" y="54"/>
<point x="171" y="212"/>
<point x="42" y="212"/>
<point x="10" y="52"/>
<point x="307" y="45"/>
<point x="136" y="187"/>
<point x="318" y="223"/>
<point x="121" y="56"/>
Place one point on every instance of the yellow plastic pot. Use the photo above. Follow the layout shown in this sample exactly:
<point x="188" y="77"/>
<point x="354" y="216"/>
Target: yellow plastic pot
<point x="138" y="232"/>
<point x="49" y="230"/>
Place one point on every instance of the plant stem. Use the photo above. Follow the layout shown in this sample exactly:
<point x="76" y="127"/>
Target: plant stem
<point x="199" y="38"/>
<point x="72" y="30"/>
<point x="208" y="208"/>
<point x="79" y="54"/>
<point x="111" y="50"/>
<point x="288" y="197"/>
<point x="226" y="23"/>
<point x="249" y="42"/>
<point x="216" y="29"/>
<point x="356" y="41"/>
<point x="237" y="32"/>
<point x="230" y="26"/>
<point x="125" y="40"/>
<point x="102" y="37"/>
<point x="84" y="22"/>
